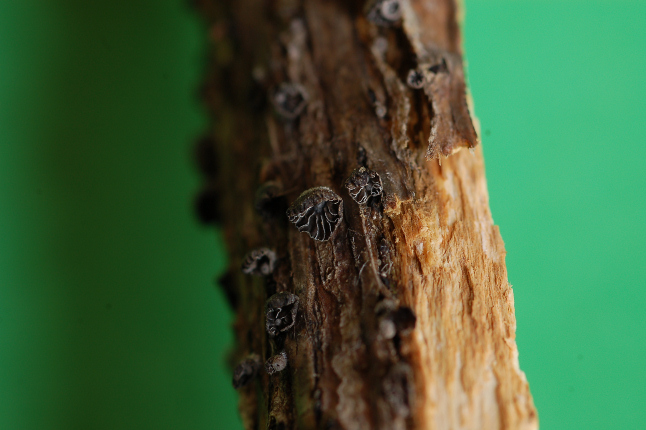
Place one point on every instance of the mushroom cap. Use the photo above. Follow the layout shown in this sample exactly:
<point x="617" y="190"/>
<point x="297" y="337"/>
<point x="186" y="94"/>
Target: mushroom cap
<point x="363" y="185"/>
<point x="277" y="363"/>
<point x="280" y="312"/>
<point x="289" y="99"/>
<point x="317" y="212"/>
<point x="259" y="262"/>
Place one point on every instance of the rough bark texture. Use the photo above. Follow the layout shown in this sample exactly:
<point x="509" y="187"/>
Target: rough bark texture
<point x="404" y="318"/>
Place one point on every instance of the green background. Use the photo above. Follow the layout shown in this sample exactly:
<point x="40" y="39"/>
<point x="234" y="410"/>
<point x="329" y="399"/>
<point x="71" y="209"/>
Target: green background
<point x="108" y="314"/>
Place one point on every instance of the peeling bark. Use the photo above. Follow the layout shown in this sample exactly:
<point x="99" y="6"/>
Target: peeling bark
<point x="405" y="318"/>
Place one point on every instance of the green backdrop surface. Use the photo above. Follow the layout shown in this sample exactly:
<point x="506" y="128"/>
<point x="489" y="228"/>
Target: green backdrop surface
<point x="108" y="314"/>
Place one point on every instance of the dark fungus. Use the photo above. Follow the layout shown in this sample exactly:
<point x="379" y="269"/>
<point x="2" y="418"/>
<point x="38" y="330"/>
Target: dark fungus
<point x="398" y="389"/>
<point x="404" y="319"/>
<point x="256" y="97"/>
<point x="246" y="371"/>
<point x="394" y="320"/>
<point x="269" y="201"/>
<point x="385" y="12"/>
<point x="227" y="283"/>
<point x="387" y="328"/>
<point x="385" y="258"/>
<point x="362" y="157"/>
<point x="440" y="67"/>
<point x="415" y="79"/>
<point x="207" y="205"/>
<point x="270" y="285"/>
<point x="275" y="424"/>
<point x="206" y="157"/>
<point x="380" y="108"/>
<point x="363" y="185"/>
<point x="317" y="212"/>
<point x="383" y="310"/>
<point x="281" y="310"/>
<point x="259" y="262"/>
<point x="277" y="363"/>
<point x="289" y="99"/>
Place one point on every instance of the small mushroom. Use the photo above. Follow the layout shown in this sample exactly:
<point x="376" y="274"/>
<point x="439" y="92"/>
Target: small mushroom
<point x="227" y="283"/>
<point x="270" y="285"/>
<point x="404" y="319"/>
<point x="385" y="12"/>
<point x="256" y="99"/>
<point x="246" y="371"/>
<point x="207" y="205"/>
<point x="289" y="99"/>
<point x="399" y="390"/>
<point x="278" y="423"/>
<point x="277" y="363"/>
<point x="440" y="67"/>
<point x="415" y="79"/>
<point x="383" y="310"/>
<point x="269" y="200"/>
<point x="380" y="108"/>
<point x="281" y="310"/>
<point x="259" y="262"/>
<point x="387" y="328"/>
<point x="363" y="185"/>
<point x="206" y="157"/>
<point x="385" y="259"/>
<point x="317" y="212"/>
<point x="394" y="320"/>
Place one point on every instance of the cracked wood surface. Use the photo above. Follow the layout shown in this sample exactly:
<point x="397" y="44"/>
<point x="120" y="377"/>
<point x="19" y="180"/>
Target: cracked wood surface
<point x="427" y="246"/>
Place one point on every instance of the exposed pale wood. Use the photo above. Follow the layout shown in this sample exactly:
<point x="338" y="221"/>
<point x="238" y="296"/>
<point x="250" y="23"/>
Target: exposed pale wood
<point x="458" y="367"/>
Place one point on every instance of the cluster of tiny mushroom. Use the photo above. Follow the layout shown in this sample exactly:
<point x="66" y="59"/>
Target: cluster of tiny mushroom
<point x="317" y="212"/>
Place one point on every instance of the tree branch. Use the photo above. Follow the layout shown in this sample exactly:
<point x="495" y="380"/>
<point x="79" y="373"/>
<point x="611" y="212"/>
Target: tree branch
<point x="377" y="292"/>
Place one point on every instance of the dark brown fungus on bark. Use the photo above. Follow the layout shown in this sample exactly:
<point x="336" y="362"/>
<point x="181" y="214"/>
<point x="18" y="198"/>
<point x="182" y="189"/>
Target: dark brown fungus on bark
<point x="394" y="320"/>
<point x="259" y="262"/>
<point x="387" y="328"/>
<point x="277" y="363"/>
<point x="270" y="286"/>
<point x="269" y="201"/>
<point x="317" y="212"/>
<point x="256" y="97"/>
<point x="385" y="258"/>
<point x="281" y="310"/>
<point x="289" y="100"/>
<point x="398" y="389"/>
<point x="404" y="320"/>
<point x="276" y="425"/>
<point x="246" y="371"/>
<point x="385" y="12"/>
<point x="363" y="185"/>
<point x="384" y="310"/>
<point x="207" y="205"/>
<point x="440" y="67"/>
<point x="415" y="79"/>
<point x="362" y="157"/>
<point x="206" y="157"/>
<point x="380" y="109"/>
<point x="228" y="285"/>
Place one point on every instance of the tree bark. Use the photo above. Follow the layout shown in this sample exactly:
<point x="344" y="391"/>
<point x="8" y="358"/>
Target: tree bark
<point x="387" y="289"/>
